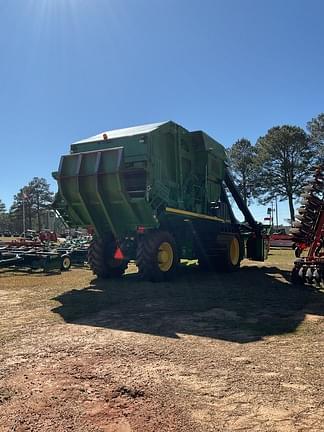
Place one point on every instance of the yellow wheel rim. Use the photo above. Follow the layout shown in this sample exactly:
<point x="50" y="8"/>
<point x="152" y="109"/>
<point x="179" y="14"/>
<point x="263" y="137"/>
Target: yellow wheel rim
<point x="165" y="256"/>
<point x="234" y="251"/>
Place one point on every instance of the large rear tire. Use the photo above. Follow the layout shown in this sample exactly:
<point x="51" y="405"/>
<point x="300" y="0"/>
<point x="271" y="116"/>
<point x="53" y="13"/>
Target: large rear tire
<point x="101" y="258"/>
<point x="157" y="257"/>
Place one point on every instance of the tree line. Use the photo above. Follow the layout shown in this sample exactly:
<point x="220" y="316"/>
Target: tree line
<point x="279" y="164"/>
<point x="32" y="201"/>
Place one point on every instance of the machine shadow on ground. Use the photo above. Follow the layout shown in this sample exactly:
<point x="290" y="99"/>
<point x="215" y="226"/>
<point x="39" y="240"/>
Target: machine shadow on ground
<point x="244" y="306"/>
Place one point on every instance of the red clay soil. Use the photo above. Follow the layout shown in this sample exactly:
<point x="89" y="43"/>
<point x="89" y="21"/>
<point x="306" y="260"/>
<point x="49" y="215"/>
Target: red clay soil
<point x="207" y="352"/>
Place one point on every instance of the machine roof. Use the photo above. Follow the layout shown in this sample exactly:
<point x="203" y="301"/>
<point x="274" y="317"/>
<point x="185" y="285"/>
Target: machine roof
<point x="119" y="133"/>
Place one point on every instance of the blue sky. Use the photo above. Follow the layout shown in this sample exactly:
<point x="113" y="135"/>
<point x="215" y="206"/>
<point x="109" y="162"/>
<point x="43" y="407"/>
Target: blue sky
<point x="72" y="68"/>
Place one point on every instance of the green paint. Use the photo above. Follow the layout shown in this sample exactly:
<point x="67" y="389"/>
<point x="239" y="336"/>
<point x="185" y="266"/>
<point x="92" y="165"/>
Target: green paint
<point x="117" y="184"/>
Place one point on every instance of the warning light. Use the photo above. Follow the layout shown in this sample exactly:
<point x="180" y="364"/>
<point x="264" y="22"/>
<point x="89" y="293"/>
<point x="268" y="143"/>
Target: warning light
<point x="119" y="254"/>
<point x="141" y="230"/>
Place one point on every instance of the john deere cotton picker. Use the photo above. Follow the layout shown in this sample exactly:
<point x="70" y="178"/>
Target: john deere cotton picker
<point x="155" y="193"/>
<point x="308" y="233"/>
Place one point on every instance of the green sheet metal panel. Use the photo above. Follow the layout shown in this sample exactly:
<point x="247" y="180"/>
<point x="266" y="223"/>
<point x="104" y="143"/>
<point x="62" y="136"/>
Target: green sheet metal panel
<point x="69" y="189"/>
<point x="175" y="161"/>
<point x="87" y="182"/>
<point x="91" y="184"/>
<point x="135" y="147"/>
<point x="112" y="194"/>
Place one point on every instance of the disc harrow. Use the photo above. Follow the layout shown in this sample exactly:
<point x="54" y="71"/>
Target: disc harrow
<point x="308" y="233"/>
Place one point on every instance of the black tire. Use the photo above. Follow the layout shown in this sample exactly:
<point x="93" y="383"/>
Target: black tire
<point x="148" y="251"/>
<point x="297" y="252"/>
<point x="101" y="258"/>
<point x="295" y="278"/>
<point x="223" y="260"/>
<point x="227" y="261"/>
<point x="65" y="262"/>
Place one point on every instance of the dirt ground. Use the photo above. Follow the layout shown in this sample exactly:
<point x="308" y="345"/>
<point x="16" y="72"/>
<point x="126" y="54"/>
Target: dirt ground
<point x="206" y="352"/>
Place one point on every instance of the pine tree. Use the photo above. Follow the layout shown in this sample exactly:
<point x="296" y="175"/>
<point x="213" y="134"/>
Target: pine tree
<point x="285" y="157"/>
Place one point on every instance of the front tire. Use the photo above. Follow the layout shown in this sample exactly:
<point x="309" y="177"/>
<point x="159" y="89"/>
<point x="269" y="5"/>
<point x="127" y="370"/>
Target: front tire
<point x="227" y="254"/>
<point x="157" y="257"/>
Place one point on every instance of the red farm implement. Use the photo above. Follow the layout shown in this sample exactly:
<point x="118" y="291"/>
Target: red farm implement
<point x="308" y="233"/>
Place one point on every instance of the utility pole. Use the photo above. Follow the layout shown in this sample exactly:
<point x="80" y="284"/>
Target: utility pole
<point x="277" y="212"/>
<point x="272" y="211"/>
<point x="24" y="217"/>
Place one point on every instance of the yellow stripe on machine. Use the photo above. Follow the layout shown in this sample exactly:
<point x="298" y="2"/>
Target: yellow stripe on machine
<point x="192" y="214"/>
